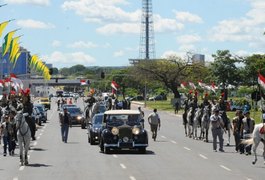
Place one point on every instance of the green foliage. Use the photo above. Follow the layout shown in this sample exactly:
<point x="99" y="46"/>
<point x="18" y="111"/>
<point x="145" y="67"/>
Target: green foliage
<point x="244" y="90"/>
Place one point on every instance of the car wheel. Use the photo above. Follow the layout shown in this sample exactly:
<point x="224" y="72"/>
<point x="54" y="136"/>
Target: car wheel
<point x="101" y="147"/>
<point x="92" y="142"/>
<point x="83" y="125"/>
<point x="142" y="150"/>
<point x="106" y="150"/>
<point x="89" y="140"/>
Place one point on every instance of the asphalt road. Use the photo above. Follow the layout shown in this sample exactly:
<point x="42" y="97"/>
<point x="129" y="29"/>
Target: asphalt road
<point x="172" y="157"/>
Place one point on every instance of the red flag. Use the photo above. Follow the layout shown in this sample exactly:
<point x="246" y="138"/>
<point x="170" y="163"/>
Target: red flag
<point x="114" y="85"/>
<point x="192" y="85"/>
<point x="12" y="75"/>
<point x="183" y="85"/>
<point x="261" y="80"/>
<point x="83" y="82"/>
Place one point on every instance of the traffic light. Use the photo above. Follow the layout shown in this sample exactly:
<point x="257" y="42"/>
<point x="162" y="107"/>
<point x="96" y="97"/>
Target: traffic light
<point x="102" y="75"/>
<point x="50" y="71"/>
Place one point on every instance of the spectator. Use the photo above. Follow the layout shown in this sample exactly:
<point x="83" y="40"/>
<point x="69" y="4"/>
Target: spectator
<point x="248" y="127"/>
<point x="237" y="130"/>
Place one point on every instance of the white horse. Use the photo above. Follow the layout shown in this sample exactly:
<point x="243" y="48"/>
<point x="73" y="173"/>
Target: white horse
<point x="196" y="122"/>
<point x="255" y="139"/>
<point x="205" y="123"/>
<point x="190" y="117"/>
<point x="23" y="136"/>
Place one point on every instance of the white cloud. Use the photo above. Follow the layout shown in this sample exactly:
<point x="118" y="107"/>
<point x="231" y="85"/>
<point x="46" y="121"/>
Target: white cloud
<point x="119" y="28"/>
<point x="56" y="43"/>
<point x="115" y="19"/>
<point x="248" y="28"/>
<point x="102" y="10"/>
<point x="60" y="59"/>
<point x="188" y="39"/>
<point x="34" y="2"/>
<point x="118" y="53"/>
<point x="82" y="44"/>
<point x="30" y="23"/>
<point x="188" y="17"/>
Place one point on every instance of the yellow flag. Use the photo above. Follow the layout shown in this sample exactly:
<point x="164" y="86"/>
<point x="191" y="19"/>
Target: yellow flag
<point x="2" y="27"/>
<point x="8" y="38"/>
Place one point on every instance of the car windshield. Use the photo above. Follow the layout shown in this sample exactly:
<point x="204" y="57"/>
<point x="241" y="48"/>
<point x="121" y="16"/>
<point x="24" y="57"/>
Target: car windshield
<point x="97" y="120"/>
<point x="74" y="110"/>
<point x="119" y="120"/>
<point x="102" y="109"/>
<point x="40" y="108"/>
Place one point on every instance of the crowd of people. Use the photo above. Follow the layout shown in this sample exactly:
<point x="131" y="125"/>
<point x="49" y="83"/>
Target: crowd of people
<point x="10" y="105"/>
<point x="242" y="124"/>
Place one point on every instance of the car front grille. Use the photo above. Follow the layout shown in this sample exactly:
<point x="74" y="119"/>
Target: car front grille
<point x="125" y="132"/>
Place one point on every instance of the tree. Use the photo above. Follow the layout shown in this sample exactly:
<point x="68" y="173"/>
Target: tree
<point x="169" y="72"/>
<point x="224" y="69"/>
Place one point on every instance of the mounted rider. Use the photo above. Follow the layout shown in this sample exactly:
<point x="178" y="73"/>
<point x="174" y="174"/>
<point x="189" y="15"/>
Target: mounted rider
<point x="28" y="108"/>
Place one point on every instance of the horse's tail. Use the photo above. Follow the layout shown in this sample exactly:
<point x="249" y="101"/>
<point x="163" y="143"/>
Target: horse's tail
<point x="248" y="142"/>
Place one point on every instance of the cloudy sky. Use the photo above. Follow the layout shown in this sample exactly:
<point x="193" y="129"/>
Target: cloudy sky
<point x="107" y="32"/>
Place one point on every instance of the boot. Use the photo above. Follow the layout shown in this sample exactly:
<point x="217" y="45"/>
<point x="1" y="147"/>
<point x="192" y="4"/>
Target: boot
<point x="21" y="160"/>
<point x="26" y="160"/>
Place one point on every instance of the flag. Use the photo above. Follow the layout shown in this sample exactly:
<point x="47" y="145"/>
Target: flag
<point x="14" y="48"/>
<point x="261" y="81"/>
<point x="2" y="27"/>
<point x="1" y="83"/>
<point x="16" y="83"/>
<point x="192" y="85"/>
<point x="8" y="37"/>
<point x="213" y="87"/>
<point x="83" y="82"/>
<point x="114" y="85"/>
<point x="201" y="84"/>
<point x="183" y="85"/>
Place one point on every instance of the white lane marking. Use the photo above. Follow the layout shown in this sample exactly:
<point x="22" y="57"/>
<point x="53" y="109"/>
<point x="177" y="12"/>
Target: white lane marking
<point x="40" y="134"/>
<point x="164" y="137"/>
<point x="132" y="178"/>
<point x="123" y="166"/>
<point x="248" y="178"/>
<point x="174" y="142"/>
<point x="187" y="148"/>
<point x="15" y="178"/>
<point x="226" y="168"/>
<point x="38" y="137"/>
<point x="115" y="156"/>
<point x="202" y="156"/>
<point x="21" y="168"/>
<point x="35" y="143"/>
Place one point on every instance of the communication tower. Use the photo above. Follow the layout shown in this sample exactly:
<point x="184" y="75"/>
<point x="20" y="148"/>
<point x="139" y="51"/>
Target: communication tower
<point x="147" y="39"/>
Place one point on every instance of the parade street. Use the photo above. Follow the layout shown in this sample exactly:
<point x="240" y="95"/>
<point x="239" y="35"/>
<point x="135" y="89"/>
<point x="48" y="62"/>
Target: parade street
<point x="172" y="157"/>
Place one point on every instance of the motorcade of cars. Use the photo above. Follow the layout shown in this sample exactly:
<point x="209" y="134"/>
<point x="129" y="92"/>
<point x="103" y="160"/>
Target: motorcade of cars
<point x="94" y="128"/>
<point x="46" y="102"/>
<point x="65" y="106"/>
<point x="42" y="112"/>
<point x="122" y="130"/>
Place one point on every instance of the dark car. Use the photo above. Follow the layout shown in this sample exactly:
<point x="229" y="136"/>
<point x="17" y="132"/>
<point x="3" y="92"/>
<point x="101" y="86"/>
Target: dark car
<point x="158" y="98"/>
<point x="122" y="130"/>
<point x="137" y="98"/>
<point x="76" y="116"/>
<point x="43" y="112"/>
<point x="94" y="128"/>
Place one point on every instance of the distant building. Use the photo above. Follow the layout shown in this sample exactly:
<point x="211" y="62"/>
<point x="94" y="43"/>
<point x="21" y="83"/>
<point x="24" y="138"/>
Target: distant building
<point x="21" y="68"/>
<point x="198" y="58"/>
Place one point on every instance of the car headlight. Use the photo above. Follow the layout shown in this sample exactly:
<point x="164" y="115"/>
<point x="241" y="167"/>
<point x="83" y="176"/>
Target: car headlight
<point x="135" y="130"/>
<point x="78" y="117"/>
<point x="115" y="131"/>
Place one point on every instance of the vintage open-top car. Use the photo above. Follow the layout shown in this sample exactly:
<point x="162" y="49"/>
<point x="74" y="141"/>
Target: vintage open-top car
<point x="122" y="130"/>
